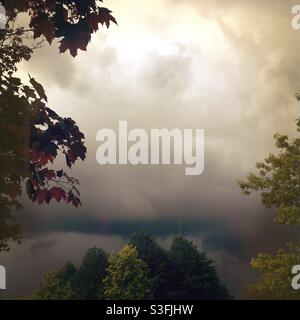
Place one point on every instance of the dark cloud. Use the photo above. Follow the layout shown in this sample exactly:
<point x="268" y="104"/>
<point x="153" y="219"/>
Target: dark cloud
<point x="227" y="66"/>
<point x="215" y="234"/>
<point x="42" y="245"/>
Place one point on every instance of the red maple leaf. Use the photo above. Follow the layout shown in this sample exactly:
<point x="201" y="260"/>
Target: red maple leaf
<point x="105" y="17"/>
<point x="70" y="158"/>
<point x="45" y="158"/>
<point x="58" y="194"/>
<point x="42" y="196"/>
<point x="74" y="200"/>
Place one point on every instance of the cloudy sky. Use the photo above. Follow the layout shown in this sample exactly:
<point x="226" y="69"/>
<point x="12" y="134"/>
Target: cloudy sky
<point x="230" y="67"/>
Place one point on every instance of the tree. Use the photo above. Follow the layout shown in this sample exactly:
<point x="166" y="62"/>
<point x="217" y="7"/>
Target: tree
<point x="33" y="134"/>
<point x="52" y="287"/>
<point x="193" y="275"/>
<point x="70" y="283"/>
<point x="89" y="278"/>
<point x="71" y="21"/>
<point x="128" y="277"/>
<point x="278" y="182"/>
<point x="157" y="261"/>
<point x="276" y="274"/>
<point x="188" y="274"/>
<point x="67" y="275"/>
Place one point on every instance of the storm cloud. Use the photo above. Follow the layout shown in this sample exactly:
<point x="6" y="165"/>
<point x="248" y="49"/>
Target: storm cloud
<point x="228" y="67"/>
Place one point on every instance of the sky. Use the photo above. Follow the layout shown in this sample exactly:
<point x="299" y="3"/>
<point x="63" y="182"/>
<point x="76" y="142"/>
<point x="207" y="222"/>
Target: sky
<point x="228" y="67"/>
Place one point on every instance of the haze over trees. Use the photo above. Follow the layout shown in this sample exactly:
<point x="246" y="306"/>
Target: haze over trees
<point x="183" y="272"/>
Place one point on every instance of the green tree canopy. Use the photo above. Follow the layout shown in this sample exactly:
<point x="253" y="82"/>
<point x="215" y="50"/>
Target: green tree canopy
<point x="89" y="278"/>
<point x="157" y="261"/>
<point x="85" y="283"/>
<point x="54" y="287"/>
<point x="278" y="180"/>
<point x="128" y="277"/>
<point x="275" y="282"/>
<point x="185" y="274"/>
<point x="194" y="276"/>
<point x="68" y="275"/>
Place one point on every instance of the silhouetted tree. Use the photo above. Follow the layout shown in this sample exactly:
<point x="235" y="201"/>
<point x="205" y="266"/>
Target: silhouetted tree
<point x="193" y="275"/>
<point x="72" y="22"/>
<point x="126" y="275"/>
<point x="157" y="261"/>
<point x="32" y="134"/>
<point x="90" y="275"/>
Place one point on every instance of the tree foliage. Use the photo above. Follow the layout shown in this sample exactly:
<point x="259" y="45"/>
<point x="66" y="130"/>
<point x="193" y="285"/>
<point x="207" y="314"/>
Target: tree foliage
<point x="33" y="135"/>
<point x="194" y="276"/>
<point x="53" y="287"/>
<point x="276" y="277"/>
<point x="71" y="21"/>
<point x="70" y="283"/>
<point x="88" y="283"/>
<point x="128" y="277"/>
<point x="68" y="273"/>
<point x="185" y="273"/>
<point x="157" y="261"/>
<point x="278" y="182"/>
